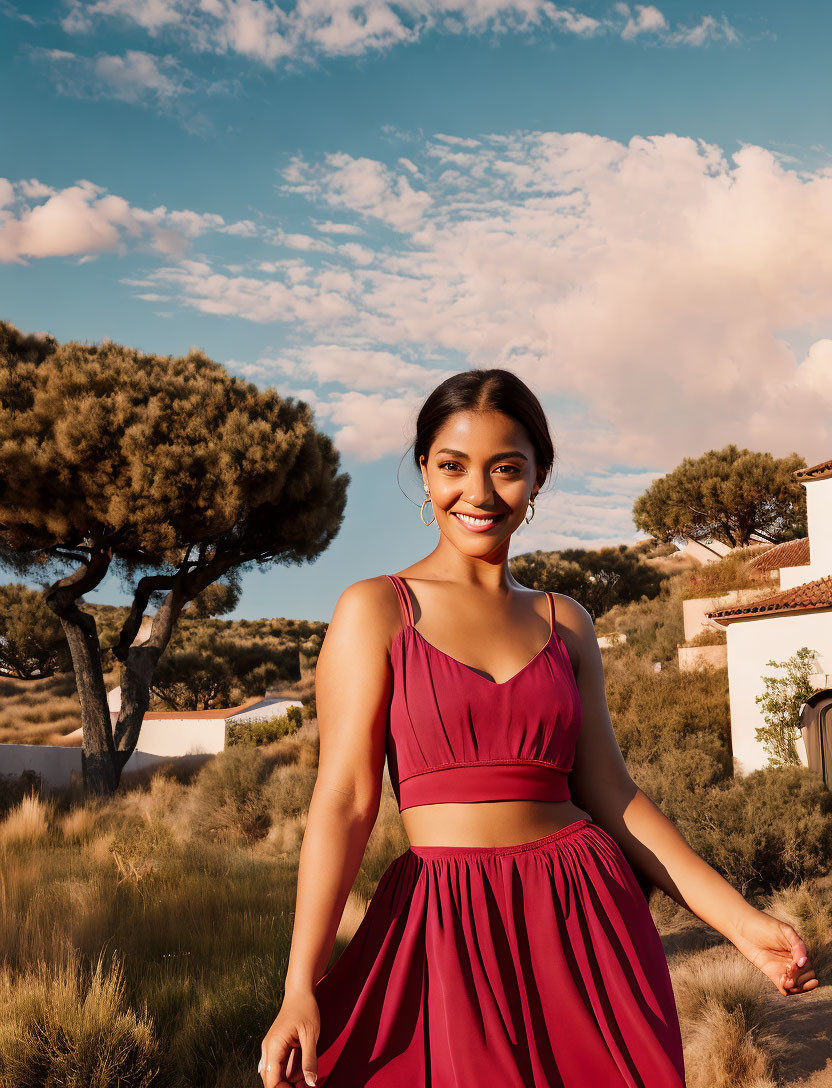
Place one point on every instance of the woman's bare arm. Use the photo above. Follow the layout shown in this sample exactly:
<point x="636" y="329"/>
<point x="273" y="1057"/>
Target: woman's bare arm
<point x="352" y="683"/>
<point x="601" y="784"/>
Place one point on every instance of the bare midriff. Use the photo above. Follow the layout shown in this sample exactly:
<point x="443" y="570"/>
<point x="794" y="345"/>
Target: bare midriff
<point x="487" y="823"/>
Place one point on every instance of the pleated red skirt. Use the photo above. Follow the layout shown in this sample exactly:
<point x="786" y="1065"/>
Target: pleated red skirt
<point x="529" y="966"/>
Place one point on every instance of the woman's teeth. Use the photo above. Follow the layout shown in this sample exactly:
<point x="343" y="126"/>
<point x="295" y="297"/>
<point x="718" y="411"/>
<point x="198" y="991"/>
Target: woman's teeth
<point x="477" y="523"/>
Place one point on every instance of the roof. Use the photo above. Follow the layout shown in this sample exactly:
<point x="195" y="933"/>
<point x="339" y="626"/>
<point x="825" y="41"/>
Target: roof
<point x="808" y="597"/>
<point x="791" y="553"/>
<point x="217" y="715"/>
<point x="816" y="472"/>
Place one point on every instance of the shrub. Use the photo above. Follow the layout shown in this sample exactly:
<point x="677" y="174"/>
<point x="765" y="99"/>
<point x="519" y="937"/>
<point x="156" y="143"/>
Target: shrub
<point x="229" y="801"/>
<point x="14" y="787"/>
<point x="256" y="732"/>
<point x="730" y="572"/>
<point x="763" y="831"/>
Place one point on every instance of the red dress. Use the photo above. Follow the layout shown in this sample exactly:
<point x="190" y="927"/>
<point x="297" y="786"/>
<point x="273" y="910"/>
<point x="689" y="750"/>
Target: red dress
<point x="529" y="966"/>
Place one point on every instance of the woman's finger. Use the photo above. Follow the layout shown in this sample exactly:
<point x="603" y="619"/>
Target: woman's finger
<point x="798" y="948"/>
<point x="308" y="1038"/>
<point x="277" y="1055"/>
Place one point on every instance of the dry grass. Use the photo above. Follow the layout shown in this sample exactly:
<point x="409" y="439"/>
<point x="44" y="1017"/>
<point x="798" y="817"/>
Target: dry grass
<point x="738" y="1030"/>
<point x="144" y="939"/>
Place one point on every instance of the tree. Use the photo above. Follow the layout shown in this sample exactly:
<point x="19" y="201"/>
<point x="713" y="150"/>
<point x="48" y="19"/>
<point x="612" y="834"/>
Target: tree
<point x="218" y="598"/>
<point x="32" y="642"/>
<point x="166" y="470"/>
<point x="729" y="495"/>
<point x="781" y="702"/>
<point x="597" y="579"/>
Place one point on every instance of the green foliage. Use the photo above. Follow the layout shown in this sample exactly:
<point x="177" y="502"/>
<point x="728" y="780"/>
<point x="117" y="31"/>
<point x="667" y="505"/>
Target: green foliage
<point x="668" y="711"/>
<point x="597" y="579"/>
<point x="195" y="679"/>
<point x="256" y="732"/>
<point x="709" y="636"/>
<point x="731" y="572"/>
<point x="32" y="641"/>
<point x="727" y="495"/>
<point x="217" y="663"/>
<point x="217" y="598"/>
<point x="654" y="626"/>
<point x="156" y="457"/>
<point x="781" y="702"/>
<point x="167" y="468"/>
<point x="763" y="831"/>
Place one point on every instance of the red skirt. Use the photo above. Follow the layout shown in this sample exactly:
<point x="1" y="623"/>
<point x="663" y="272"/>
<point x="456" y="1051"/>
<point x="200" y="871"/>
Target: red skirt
<point x="529" y="966"/>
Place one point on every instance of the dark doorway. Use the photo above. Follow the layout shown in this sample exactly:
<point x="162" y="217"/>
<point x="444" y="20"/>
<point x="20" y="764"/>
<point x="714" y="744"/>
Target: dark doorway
<point x="816" y="727"/>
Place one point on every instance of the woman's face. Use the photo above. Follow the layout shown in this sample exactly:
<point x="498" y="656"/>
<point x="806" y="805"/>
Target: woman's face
<point x="481" y="472"/>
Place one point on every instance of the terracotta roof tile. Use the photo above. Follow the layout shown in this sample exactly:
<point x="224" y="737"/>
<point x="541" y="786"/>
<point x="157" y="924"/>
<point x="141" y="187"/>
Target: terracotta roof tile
<point x="814" y="472"/>
<point x="809" y="595"/>
<point x="791" y="553"/>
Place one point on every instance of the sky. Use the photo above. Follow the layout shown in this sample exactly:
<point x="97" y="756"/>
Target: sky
<point x="629" y="206"/>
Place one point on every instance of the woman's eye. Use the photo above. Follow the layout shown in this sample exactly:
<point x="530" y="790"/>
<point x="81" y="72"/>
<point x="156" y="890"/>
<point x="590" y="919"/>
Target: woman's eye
<point x="456" y="464"/>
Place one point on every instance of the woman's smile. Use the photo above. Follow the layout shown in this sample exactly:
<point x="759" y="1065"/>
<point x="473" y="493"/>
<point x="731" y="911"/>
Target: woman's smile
<point x="479" y="523"/>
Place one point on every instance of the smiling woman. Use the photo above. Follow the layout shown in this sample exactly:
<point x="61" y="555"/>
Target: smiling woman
<point x="511" y="943"/>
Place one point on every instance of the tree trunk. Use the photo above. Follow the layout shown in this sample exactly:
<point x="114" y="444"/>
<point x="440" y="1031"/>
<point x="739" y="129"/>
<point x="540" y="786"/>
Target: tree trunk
<point x="98" y="754"/>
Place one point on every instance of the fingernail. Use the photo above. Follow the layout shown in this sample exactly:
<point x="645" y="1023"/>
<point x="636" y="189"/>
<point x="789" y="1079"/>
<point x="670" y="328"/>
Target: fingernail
<point x="801" y="961"/>
<point x="311" y="1078"/>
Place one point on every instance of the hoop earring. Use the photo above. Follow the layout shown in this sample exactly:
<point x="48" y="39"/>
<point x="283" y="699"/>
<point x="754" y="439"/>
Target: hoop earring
<point x="422" y="511"/>
<point x="527" y="519"/>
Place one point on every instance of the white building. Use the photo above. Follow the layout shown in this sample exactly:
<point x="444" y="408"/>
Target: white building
<point x="798" y="613"/>
<point x="164" y="735"/>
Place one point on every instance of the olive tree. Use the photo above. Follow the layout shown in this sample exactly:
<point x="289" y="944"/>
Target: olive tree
<point x="167" y="471"/>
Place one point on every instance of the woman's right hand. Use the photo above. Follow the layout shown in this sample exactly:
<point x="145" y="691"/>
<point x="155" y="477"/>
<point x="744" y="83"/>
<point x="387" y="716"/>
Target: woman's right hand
<point x="289" y="1045"/>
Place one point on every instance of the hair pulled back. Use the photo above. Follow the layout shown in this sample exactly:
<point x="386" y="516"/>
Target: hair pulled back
<point x="481" y="390"/>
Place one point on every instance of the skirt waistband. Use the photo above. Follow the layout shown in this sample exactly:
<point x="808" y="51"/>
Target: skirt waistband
<point x="498" y="851"/>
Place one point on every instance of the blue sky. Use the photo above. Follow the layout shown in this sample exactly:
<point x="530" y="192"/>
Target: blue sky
<point x="628" y="205"/>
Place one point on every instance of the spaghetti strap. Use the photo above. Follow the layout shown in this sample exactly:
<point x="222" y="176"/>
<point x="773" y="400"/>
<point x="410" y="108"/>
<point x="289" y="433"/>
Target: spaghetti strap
<point x="551" y="597"/>
<point x="404" y="599"/>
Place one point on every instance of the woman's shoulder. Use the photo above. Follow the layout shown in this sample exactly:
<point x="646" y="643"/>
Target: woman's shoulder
<point x="575" y="627"/>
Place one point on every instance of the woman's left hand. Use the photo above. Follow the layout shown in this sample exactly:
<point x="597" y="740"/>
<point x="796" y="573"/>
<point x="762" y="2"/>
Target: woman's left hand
<point x="779" y="952"/>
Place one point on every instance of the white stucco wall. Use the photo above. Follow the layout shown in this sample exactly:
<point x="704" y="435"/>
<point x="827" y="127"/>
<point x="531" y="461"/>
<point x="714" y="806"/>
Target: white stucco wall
<point x="54" y="764"/>
<point x="819" y="518"/>
<point x="694" y="609"/>
<point x="751" y="643"/>
<point x="795" y="576"/>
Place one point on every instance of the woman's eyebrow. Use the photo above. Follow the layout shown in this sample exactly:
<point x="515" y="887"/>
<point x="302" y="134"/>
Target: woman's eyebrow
<point x="496" y="457"/>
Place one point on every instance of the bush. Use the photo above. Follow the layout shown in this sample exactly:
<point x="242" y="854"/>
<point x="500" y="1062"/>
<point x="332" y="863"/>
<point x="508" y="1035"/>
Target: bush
<point x="767" y="830"/>
<point x="14" y="787"/>
<point x="229" y="801"/>
<point x="256" y="732"/>
<point x="730" y="572"/>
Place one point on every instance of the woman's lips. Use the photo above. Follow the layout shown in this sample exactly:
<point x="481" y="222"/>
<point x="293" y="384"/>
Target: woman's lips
<point x="477" y="525"/>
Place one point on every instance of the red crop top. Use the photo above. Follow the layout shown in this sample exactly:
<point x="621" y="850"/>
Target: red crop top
<point x="454" y="735"/>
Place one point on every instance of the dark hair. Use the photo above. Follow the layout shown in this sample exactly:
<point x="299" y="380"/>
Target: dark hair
<point x="481" y="390"/>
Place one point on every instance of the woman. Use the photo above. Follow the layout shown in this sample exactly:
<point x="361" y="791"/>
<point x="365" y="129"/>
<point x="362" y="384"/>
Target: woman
<point x="511" y="944"/>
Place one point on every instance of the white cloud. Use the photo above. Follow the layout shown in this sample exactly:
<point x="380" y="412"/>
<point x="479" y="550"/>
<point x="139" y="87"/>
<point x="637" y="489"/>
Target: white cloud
<point x="358" y="368"/>
<point x="84" y="220"/>
<point x="647" y="19"/>
<point x="271" y="33"/>
<point x="644" y="289"/>
<point x="139" y="78"/>
<point x="359" y="185"/>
